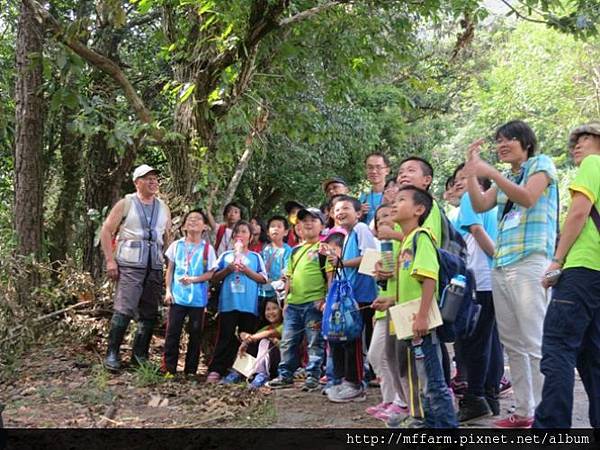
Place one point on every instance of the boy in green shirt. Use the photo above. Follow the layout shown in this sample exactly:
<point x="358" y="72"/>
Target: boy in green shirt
<point x="417" y="276"/>
<point x="307" y="282"/>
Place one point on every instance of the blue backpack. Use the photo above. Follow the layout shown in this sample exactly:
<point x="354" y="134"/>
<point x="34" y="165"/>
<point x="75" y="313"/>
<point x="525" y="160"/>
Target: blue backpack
<point x="342" y="320"/>
<point x="468" y="313"/>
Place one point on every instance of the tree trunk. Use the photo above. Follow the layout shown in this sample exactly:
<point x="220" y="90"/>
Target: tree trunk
<point x="62" y="233"/>
<point x="103" y="174"/>
<point x="29" y="192"/>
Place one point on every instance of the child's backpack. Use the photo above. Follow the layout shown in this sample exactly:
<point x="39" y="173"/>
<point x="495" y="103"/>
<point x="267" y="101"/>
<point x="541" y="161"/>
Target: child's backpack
<point x="452" y="240"/>
<point x="342" y="320"/>
<point x="452" y="265"/>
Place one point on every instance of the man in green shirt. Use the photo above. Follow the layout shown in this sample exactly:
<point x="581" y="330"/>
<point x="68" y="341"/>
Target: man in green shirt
<point x="308" y="277"/>
<point x="572" y="323"/>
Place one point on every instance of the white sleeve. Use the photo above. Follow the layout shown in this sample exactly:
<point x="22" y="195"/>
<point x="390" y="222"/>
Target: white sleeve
<point x="217" y="263"/>
<point x="365" y="237"/>
<point x="262" y="269"/>
<point x="211" y="257"/>
<point x="170" y="253"/>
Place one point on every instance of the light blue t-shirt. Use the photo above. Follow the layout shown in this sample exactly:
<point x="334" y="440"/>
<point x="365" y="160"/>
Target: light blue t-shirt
<point x="467" y="217"/>
<point x="276" y="261"/>
<point x="189" y="260"/>
<point x="239" y="292"/>
<point x="374" y="199"/>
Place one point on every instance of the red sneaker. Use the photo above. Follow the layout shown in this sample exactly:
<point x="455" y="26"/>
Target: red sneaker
<point x="514" y="421"/>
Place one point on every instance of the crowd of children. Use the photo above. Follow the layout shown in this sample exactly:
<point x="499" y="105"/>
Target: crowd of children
<point x="272" y="281"/>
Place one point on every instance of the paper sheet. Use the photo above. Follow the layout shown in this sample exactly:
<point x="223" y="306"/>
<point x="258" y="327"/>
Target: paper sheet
<point x="244" y="364"/>
<point x="403" y="317"/>
<point x="369" y="258"/>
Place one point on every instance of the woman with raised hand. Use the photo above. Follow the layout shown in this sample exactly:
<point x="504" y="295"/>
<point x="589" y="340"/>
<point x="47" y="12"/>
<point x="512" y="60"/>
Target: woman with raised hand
<point x="527" y="200"/>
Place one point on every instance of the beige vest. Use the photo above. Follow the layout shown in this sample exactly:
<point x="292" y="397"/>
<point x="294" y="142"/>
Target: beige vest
<point x="140" y="238"/>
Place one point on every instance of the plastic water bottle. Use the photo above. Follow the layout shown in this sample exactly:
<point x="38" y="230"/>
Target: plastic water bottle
<point x="387" y="260"/>
<point x="238" y="252"/>
<point x="453" y="298"/>
<point x="417" y="347"/>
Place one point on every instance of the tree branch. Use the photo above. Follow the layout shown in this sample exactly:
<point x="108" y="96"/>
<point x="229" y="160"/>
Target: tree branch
<point x="97" y="60"/>
<point x="306" y="14"/>
<point x="521" y="16"/>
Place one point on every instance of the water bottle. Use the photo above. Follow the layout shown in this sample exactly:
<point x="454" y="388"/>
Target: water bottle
<point x="387" y="261"/>
<point x="452" y="298"/>
<point x="238" y="252"/>
<point x="417" y="347"/>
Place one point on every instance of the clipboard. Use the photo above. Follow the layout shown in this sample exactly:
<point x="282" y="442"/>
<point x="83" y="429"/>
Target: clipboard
<point x="402" y="316"/>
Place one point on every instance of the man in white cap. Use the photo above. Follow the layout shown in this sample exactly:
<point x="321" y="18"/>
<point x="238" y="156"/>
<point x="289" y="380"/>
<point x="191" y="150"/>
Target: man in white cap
<point x="141" y="223"/>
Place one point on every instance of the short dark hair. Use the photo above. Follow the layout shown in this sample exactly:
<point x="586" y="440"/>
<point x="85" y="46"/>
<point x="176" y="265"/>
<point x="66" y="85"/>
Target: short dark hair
<point x="191" y="211"/>
<point x="346" y="198"/>
<point x="230" y="205"/>
<point x="335" y="238"/>
<point x="376" y="222"/>
<point x="460" y="167"/>
<point x="389" y="182"/>
<point x="519" y="130"/>
<point x="422" y="198"/>
<point x="426" y="167"/>
<point x="281" y="219"/>
<point x="379" y="154"/>
<point x="241" y="223"/>
<point x="449" y="182"/>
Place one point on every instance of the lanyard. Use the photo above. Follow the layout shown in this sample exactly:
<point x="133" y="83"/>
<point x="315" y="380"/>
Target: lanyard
<point x="189" y="254"/>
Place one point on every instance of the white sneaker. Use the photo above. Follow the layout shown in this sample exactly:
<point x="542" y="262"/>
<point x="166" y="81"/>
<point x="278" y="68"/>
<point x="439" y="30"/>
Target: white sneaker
<point x="347" y="392"/>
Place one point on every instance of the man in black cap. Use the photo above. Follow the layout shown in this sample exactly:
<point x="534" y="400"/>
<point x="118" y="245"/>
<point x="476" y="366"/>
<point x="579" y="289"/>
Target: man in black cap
<point x="334" y="186"/>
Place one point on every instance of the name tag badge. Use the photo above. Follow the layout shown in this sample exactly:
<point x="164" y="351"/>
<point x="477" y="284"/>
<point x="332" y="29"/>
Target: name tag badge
<point x="237" y="286"/>
<point x="512" y="220"/>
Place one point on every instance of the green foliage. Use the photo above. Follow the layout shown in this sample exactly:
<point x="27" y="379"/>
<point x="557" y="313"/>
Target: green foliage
<point x="147" y="374"/>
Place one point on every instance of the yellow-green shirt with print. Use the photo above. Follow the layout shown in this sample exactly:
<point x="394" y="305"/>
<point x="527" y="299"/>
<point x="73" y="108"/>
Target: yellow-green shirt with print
<point x="413" y="269"/>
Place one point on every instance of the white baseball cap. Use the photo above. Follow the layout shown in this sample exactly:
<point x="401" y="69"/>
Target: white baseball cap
<point x="142" y="170"/>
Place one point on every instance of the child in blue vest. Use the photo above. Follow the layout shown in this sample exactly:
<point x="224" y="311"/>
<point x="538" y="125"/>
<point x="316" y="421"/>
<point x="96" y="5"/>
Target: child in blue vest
<point x="242" y="271"/>
<point x="186" y="291"/>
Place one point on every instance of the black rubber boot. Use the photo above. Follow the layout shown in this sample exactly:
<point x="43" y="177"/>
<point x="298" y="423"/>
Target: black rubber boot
<point x="493" y="399"/>
<point x="472" y="408"/>
<point x="141" y="342"/>
<point x="118" y="328"/>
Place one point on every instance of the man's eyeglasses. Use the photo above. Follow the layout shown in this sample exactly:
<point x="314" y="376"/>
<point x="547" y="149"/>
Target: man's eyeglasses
<point x="376" y="168"/>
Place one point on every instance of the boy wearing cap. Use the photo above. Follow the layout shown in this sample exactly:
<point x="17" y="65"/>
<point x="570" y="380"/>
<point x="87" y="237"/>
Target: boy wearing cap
<point x="572" y="324"/>
<point x="141" y="223"/>
<point x="308" y="278"/>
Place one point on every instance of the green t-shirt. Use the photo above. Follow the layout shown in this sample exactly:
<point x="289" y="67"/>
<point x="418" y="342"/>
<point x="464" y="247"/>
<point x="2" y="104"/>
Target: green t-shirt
<point x="307" y="283"/>
<point x="585" y="250"/>
<point x="278" y="328"/>
<point x="412" y="269"/>
<point x="433" y="224"/>
<point x="389" y="291"/>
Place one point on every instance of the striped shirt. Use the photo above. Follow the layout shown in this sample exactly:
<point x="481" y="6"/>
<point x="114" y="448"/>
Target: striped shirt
<point x="535" y="228"/>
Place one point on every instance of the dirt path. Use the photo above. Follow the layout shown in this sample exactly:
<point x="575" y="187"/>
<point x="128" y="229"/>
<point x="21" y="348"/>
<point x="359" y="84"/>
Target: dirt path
<point x="66" y="386"/>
